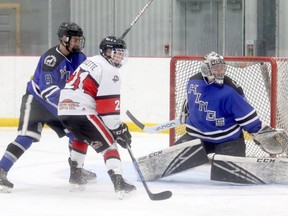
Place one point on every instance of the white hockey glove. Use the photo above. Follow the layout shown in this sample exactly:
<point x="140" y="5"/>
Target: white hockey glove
<point x="122" y="135"/>
<point x="272" y="141"/>
<point x="184" y="112"/>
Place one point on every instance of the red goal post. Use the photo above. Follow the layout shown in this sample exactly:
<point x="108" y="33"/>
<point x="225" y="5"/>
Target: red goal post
<point x="263" y="79"/>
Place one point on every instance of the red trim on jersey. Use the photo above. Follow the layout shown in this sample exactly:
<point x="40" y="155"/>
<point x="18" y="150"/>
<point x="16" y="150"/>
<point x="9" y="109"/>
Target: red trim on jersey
<point x="111" y="154"/>
<point x="108" y="105"/>
<point x="102" y="128"/>
<point x="80" y="147"/>
<point x="90" y="86"/>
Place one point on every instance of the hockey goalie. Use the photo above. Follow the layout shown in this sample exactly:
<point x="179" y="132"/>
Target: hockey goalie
<point x="217" y="112"/>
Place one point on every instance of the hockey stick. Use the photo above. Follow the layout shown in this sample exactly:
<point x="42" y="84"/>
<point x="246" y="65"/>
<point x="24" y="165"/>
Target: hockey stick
<point x="154" y="129"/>
<point x="136" y="19"/>
<point x="153" y="196"/>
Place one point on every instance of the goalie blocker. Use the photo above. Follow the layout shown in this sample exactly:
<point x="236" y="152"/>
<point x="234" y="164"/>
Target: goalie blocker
<point x="172" y="160"/>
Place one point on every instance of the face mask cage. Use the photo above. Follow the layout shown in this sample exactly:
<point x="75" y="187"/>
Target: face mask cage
<point x="214" y="71"/>
<point x="69" y="43"/>
<point x="218" y="71"/>
<point x="118" y="57"/>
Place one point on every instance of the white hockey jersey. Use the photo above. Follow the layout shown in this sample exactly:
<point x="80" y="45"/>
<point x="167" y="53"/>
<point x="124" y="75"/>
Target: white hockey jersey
<point x="93" y="89"/>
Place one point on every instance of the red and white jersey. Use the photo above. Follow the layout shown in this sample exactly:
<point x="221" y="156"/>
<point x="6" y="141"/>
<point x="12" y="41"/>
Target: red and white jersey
<point x="93" y="89"/>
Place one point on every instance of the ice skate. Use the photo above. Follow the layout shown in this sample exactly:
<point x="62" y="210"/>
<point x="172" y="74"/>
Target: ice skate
<point x="77" y="180"/>
<point x="5" y="185"/>
<point x="90" y="176"/>
<point x="121" y="187"/>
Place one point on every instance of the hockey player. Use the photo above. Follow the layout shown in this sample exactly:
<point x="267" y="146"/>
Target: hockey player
<point x="39" y="104"/>
<point x="89" y="106"/>
<point x="216" y="110"/>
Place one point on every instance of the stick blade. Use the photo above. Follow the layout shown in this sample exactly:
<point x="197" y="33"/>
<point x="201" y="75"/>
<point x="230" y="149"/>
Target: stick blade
<point x="160" y="196"/>
<point x="138" y="123"/>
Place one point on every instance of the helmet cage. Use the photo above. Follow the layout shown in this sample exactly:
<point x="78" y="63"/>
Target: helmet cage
<point x="80" y="46"/>
<point x="118" y="57"/>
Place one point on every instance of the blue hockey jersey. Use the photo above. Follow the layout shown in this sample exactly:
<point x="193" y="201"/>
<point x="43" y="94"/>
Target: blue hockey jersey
<point x="50" y="76"/>
<point x="218" y="113"/>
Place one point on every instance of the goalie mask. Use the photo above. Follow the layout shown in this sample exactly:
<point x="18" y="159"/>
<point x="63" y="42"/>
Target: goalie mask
<point x="71" y="36"/>
<point x="114" y="50"/>
<point x="213" y="68"/>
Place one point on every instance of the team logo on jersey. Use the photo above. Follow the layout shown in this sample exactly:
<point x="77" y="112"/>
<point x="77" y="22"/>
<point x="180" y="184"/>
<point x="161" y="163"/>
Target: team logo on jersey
<point x="68" y="104"/>
<point x="115" y="78"/>
<point x="65" y="73"/>
<point x="48" y="79"/>
<point x="50" y="61"/>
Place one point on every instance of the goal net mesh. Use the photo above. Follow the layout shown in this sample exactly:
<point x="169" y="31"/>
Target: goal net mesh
<point x="263" y="79"/>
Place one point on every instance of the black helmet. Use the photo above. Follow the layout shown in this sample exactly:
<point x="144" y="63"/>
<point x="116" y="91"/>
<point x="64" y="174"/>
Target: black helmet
<point x="113" y="43"/>
<point x="66" y="31"/>
<point x="69" y="29"/>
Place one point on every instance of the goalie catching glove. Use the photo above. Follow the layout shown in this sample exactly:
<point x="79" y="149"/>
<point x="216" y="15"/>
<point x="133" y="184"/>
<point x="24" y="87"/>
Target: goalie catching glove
<point x="122" y="135"/>
<point x="272" y="141"/>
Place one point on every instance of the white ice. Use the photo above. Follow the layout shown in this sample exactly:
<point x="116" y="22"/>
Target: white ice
<point x="41" y="186"/>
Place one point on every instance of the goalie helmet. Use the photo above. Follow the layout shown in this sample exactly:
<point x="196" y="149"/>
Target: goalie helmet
<point x="114" y="50"/>
<point x="65" y="33"/>
<point x="213" y="68"/>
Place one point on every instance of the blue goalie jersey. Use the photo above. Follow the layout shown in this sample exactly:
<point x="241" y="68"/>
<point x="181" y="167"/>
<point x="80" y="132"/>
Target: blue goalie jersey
<point x="50" y="76"/>
<point x="218" y="113"/>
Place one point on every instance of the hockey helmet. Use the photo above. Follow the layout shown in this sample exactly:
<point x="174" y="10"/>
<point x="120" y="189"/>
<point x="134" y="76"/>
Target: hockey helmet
<point x="114" y="50"/>
<point x="213" y="67"/>
<point x="66" y="31"/>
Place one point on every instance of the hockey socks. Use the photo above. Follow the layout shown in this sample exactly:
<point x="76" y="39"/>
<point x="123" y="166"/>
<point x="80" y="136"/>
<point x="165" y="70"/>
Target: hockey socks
<point x="14" y="151"/>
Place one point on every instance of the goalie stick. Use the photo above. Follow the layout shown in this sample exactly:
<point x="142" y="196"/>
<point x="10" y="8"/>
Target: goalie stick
<point x="153" y="196"/>
<point x="153" y="129"/>
<point x="136" y="19"/>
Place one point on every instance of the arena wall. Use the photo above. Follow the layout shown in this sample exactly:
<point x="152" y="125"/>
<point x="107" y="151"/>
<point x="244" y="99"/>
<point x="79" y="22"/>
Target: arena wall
<point x="145" y="88"/>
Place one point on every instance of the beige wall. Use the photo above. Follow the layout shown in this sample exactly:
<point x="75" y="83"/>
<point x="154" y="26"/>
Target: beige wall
<point x="145" y="88"/>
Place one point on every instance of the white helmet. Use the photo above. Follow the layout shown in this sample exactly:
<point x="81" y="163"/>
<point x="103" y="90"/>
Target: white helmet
<point x="214" y="68"/>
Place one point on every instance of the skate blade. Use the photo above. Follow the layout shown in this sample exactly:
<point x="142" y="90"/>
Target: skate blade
<point x="5" y="189"/>
<point x="76" y="187"/>
<point x="124" y="194"/>
<point x="120" y="195"/>
<point x="92" y="181"/>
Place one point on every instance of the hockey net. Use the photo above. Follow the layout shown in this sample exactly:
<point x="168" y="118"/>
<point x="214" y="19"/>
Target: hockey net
<point x="263" y="79"/>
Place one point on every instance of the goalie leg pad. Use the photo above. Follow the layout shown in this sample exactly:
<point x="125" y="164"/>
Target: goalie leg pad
<point x="249" y="170"/>
<point x="173" y="160"/>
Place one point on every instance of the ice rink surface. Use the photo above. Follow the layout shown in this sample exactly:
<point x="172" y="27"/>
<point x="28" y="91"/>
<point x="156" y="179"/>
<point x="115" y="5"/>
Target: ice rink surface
<point x="41" y="186"/>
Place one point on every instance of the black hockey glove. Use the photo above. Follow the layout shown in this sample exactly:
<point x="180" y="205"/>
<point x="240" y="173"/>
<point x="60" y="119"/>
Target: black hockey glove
<point x="122" y="135"/>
